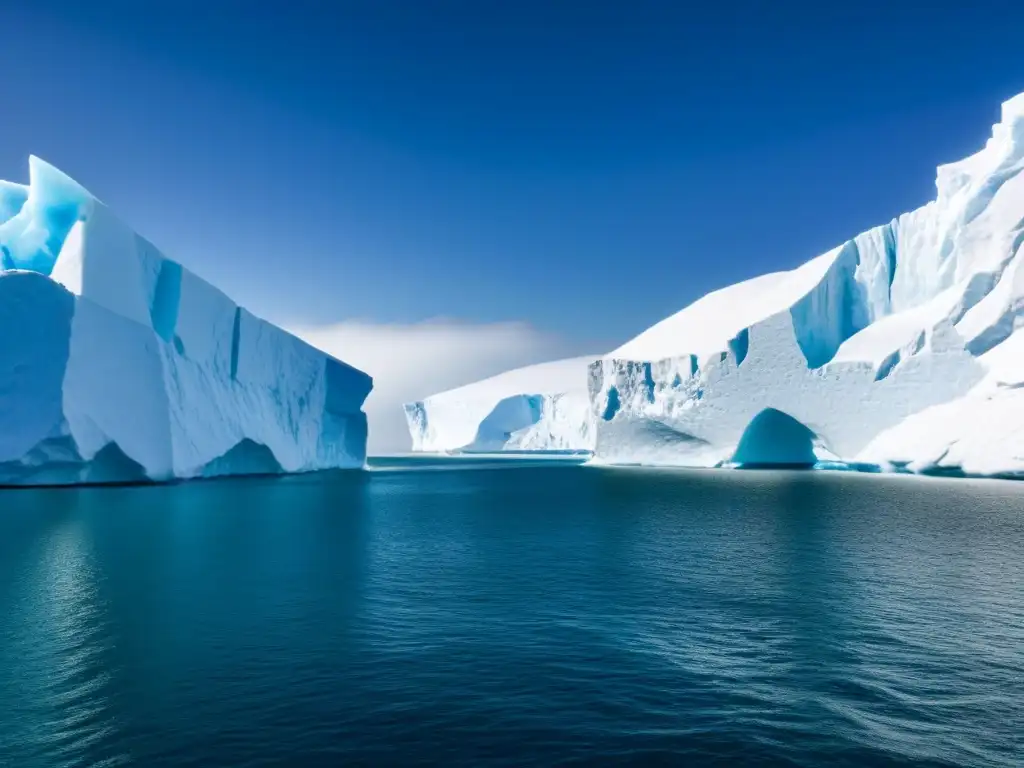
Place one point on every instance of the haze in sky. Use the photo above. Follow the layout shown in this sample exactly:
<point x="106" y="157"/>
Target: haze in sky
<point x="439" y="191"/>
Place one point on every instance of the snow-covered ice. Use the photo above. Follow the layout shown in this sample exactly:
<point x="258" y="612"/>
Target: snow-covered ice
<point x="117" y="364"/>
<point x="537" y="408"/>
<point x="902" y="348"/>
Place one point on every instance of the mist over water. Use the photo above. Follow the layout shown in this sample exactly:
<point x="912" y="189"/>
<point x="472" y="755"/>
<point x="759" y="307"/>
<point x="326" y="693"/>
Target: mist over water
<point x="510" y="611"/>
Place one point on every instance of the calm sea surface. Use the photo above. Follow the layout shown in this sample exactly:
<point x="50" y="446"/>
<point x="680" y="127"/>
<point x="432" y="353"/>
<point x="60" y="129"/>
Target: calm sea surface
<point x="477" y="612"/>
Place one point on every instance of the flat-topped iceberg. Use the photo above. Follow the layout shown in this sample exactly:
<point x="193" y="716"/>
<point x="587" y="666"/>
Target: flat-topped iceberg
<point x="119" y="365"/>
<point x="899" y="349"/>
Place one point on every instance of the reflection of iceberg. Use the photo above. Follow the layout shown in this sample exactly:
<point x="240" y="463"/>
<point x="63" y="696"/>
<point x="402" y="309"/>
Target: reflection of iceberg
<point x="119" y="365"/>
<point x="900" y="347"/>
<point x="57" y="665"/>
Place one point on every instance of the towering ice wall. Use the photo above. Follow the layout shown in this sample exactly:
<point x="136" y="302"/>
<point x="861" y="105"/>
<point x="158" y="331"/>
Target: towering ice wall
<point x="856" y="352"/>
<point x="117" y="364"/>
<point x="896" y="349"/>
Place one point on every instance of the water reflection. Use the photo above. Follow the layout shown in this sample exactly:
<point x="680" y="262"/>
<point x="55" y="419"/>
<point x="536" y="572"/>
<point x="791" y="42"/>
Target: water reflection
<point x="59" y="644"/>
<point x="546" y="611"/>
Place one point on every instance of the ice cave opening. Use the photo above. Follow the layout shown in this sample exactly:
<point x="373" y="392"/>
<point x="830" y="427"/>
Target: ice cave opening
<point x="775" y="439"/>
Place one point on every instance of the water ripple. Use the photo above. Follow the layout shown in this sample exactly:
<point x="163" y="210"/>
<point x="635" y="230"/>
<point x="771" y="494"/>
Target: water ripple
<point x="502" y="613"/>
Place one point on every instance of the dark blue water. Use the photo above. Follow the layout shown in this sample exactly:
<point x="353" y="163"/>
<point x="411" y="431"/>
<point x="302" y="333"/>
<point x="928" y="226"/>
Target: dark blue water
<point x="515" y="613"/>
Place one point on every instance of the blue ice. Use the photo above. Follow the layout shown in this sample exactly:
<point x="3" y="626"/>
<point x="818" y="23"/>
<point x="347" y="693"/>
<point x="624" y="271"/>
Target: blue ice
<point x="36" y="221"/>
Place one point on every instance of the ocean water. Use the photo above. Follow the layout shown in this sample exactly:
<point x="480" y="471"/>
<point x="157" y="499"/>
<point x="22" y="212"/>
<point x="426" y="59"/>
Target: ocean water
<point x="494" y="612"/>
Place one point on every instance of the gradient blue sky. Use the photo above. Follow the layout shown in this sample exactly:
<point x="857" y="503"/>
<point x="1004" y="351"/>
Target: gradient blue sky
<point x="551" y="177"/>
<point x="586" y="167"/>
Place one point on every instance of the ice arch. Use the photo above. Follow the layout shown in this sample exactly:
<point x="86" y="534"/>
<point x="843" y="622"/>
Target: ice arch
<point x="775" y="439"/>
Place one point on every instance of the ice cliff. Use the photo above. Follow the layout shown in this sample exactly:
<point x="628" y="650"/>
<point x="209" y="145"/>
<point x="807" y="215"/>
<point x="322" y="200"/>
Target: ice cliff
<point x="117" y="364"/>
<point x="899" y="349"/>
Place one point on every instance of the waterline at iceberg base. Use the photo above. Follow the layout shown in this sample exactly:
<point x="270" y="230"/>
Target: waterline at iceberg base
<point x="119" y="365"/>
<point x="900" y="349"/>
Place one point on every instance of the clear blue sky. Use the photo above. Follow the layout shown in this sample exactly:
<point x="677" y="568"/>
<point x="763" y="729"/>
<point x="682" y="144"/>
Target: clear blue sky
<point x="587" y="167"/>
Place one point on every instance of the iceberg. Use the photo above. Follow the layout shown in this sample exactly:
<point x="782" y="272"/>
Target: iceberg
<point x="536" y="408"/>
<point x="119" y="365"/>
<point x="900" y="349"/>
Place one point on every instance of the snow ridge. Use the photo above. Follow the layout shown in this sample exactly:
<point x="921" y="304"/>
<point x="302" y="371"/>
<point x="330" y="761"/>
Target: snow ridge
<point x="886" y="351"/>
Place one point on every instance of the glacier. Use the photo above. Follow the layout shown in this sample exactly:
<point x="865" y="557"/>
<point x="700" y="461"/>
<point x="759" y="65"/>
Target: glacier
<point x="541" y="407"/>
<point x="901" y="349"/>
<point x="119" y="365"/>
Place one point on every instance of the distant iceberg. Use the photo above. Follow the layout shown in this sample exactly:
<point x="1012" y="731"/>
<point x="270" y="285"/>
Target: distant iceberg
<point x="118" y="365"/>
<point x="900" y="349"/>
<point x="536" y="408"/>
